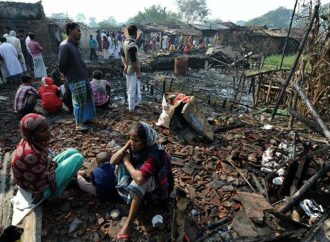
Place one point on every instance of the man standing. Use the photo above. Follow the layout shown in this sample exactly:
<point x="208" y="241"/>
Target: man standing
<point x="38" y="62"/>
<point x="75" y="72"/>
<point x="92" y="46"/>
<point x="26" y="54"/>
<point x="12" y="39"/>
<point x="132" y="68"/>
<point x="11" y="68"/>
<point x="98" y="39"/>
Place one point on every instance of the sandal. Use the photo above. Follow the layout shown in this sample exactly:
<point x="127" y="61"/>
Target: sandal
<point x="81" y="127"/>
<point x="123" y="237"/>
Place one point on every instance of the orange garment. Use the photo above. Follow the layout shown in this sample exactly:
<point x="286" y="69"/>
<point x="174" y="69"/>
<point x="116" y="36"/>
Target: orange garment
<point x="48" y="93"/>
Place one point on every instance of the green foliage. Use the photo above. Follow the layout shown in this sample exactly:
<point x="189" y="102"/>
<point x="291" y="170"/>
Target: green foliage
<point x="107" y="23"/>
<point x="92" y="22"/>
<point x="274" y="61"/>
<point x="81" y="18"/>
<point x="193" y="10"/>
<point x="279" y="18"/>
<point x="155" y="14"/>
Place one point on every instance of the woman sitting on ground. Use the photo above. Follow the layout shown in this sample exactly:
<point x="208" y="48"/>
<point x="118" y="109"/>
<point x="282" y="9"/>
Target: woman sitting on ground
<point x="49" y="94"/>
<point x="101" y="90"/>
<point x="143" y="166"/>
<point x="33" y="171"/>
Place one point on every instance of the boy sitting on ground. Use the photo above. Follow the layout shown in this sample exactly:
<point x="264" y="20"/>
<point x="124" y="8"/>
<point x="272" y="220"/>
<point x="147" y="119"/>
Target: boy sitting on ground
<point x="26" y="96"/>
<point x="102" y="183"/>
<point x="49" y="94"/>
<point x="101" y="90"/>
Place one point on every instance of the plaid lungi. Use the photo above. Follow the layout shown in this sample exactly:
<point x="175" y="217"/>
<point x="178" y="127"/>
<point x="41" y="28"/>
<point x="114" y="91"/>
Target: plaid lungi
<point x="82" y="100"/>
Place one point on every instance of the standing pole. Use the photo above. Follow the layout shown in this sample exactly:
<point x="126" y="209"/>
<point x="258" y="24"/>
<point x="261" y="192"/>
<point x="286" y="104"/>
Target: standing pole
<point x="293" y="69"/>
<point x="287" y="36"/>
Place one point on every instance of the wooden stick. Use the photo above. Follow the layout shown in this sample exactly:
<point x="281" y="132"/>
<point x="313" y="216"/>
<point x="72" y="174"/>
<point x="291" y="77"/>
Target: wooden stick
<point x="312" y="110"/>
<point x="292" y="200"/>
<point x="293" y="69"/>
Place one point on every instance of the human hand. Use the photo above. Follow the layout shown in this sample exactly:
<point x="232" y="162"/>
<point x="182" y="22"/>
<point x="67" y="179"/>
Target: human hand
<point x="125" y="70"/>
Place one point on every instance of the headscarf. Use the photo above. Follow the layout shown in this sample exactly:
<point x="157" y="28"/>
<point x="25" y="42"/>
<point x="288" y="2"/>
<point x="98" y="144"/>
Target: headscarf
<point x="30" y="165"/>
<point x="12" y="33"/>
<point x="47" y="81"/>
<point x="28" y="124"/>
<point x="151" y="134"/>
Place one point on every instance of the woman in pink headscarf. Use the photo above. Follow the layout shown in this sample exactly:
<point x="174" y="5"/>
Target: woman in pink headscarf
<point x="32" y="170"/>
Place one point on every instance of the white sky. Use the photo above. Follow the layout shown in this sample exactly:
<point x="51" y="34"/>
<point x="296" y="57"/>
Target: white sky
<point x="121" y="10"/>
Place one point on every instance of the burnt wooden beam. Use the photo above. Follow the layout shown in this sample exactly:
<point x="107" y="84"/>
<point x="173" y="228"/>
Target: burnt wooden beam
<point x="297" y="196"/>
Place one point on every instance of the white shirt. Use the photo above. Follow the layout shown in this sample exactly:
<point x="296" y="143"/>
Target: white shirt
<point x="27" y="41"/>
<point x="9" y="54"/>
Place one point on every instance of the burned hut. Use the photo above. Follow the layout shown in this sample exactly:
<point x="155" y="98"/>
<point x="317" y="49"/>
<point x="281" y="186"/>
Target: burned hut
<point x="31" y="17"/>
<point x="258" y="40"/>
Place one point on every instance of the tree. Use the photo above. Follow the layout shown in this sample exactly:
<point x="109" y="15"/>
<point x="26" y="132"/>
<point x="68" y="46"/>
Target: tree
<point x="156" y="14"/>
<point x="81" y="18"/>
<point x="109" y="22"/>
<point x="59" y="16"/>
<point x="92" y="22"/>
<point x="193" y="10"/>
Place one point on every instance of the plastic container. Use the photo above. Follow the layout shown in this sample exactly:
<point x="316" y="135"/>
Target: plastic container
<point x="180" y="66"/>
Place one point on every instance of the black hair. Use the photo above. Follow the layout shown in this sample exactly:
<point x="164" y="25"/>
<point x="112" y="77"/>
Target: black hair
<point x="91" y="36"/>
<point x="3" y="39"/>
<point x="132" y="30"/>
<point x="97" y="74"/>
<point x="21" y="31"/>
<point x="140" y="131"/>
<point x="32" y="36"/>
<point x="70" y="26"/>
<point x="26" y="78"/>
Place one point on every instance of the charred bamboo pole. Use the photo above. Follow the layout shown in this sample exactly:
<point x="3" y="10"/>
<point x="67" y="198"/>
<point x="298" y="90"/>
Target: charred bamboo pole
<point x="164" y="87"/>
<point x="292" y="200"/>
<point x="308" y="122"/>
<point x="171" y="85"/>
<point x="287" y="37"/>
<point x="293" y="107"/>
<point x="293" y="69"/>
<point x="312" y="110"/>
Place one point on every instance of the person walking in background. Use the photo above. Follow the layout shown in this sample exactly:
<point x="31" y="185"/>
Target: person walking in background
<point x="11" y="68"/>
<point x="92" y="47"/>
<point x="132" y="68"/>
<point x="26" y="54"/>
<point x="98" y="39"/>
<point x="105" y="47"/>
<point x="12" y="39"/>
<point x="73" y="67"/>
<point x="38" y="62"/>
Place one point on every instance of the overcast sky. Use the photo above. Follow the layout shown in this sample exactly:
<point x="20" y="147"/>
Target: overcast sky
<point x="121" y="10"/>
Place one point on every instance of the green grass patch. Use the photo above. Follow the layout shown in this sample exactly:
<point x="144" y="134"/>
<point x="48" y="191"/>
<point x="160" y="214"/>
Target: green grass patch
<point x="274" y="61"/>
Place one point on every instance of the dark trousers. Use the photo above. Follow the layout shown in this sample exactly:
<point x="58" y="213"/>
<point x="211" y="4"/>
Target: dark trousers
<point x="92" y="54"/>
<point x="29" y="105"/>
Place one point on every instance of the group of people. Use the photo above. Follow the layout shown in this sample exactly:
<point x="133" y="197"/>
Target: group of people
<point x="109" y="44"/>
<point x="141" y="166"/>
<point x="19" y="54"/>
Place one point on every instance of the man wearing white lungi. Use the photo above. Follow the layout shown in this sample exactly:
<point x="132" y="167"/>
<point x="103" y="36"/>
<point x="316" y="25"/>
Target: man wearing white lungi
<point x="132" y="68"/>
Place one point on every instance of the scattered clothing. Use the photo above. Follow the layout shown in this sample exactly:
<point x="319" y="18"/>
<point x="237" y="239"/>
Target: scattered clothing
<point x="23" y="94"/>
<point x="101" y="91"/>
<point x="49" y="94"/>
